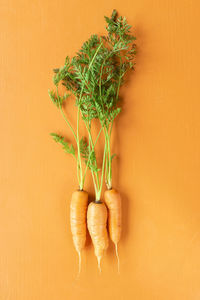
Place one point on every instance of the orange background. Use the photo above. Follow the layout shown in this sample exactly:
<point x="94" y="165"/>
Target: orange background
<point x="157" y="140"/>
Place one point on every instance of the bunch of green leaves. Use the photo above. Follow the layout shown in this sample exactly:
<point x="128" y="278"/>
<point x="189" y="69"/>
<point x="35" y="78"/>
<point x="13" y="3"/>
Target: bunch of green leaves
<point x="96" y="72"/>
<point x="94" y="76"/>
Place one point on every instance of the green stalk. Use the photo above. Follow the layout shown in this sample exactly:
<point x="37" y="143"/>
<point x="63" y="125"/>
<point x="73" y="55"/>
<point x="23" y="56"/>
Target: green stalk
<point x="95" y="55"/>
<point x="68" y="123"/>
<point x="95" y="176"/>
<point x="76" y="137"/>
<point x="79" y="153"/>
<point x="77" y="143"/>
<point x="90" y="155"/>
<point x="102" y="171"/>
<point x="119" y="79"/>
<point x="95" y="186"/>
<point x="106" y="167"/>
<point x="92" y="146"/>
<point x="109" y="171"/>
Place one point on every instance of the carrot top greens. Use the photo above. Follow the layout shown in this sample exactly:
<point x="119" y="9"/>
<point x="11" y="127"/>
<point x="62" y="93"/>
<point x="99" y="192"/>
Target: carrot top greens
<point x="94" y="76"/>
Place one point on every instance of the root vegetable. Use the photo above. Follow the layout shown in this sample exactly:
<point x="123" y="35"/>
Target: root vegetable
<point x="78" y="213"/>
<point x="97" y="223"/>
<point x="113" y="202"/>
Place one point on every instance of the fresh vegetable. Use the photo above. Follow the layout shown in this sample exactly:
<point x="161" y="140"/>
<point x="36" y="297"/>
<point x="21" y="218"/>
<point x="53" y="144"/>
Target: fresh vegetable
<point x="97" y="222"/>
<point x="113" y="202"/>
<point x="78" y="211"/>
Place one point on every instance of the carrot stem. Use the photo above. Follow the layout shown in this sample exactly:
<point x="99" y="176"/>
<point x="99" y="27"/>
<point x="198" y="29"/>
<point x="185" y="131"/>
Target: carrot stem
<point x="79" y="154"/>
<point x="102" y="171"/>
<point x="90" y="154"/>
<point x="76" y="137"/>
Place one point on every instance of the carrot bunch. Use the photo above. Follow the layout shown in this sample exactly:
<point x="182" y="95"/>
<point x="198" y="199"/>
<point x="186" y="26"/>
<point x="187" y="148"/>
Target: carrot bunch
<point x="94" y="77"/>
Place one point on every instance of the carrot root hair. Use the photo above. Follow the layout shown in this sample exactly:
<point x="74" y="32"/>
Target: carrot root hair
<point x="117" y="255"/>
<point x="79" y="264"/>
<point x="99" y="263"/>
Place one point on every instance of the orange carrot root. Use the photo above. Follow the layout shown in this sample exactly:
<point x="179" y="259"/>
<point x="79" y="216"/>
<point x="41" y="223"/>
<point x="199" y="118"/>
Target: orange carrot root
<point x="97" y="221"/>
<point x="113" y="202"/>
<point x="78" y="212"/>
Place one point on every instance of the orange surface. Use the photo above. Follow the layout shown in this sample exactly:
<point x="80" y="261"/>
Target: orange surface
<point x="157" y="140"/>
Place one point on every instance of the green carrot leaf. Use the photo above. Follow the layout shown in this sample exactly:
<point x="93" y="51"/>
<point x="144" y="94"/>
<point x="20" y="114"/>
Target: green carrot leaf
<point x="65" y="145"/>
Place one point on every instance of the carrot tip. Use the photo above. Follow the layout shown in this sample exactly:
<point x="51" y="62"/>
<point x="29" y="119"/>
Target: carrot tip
<point x="116" y="251"/>
<point x="79" y="264"/>
<point x="99" y="263"/>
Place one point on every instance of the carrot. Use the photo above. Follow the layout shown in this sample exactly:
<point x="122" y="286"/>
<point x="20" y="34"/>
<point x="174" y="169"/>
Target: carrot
<point x="97" y="222"/>
<point x="78" y="212"/>
<point x="113" y="202"/>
